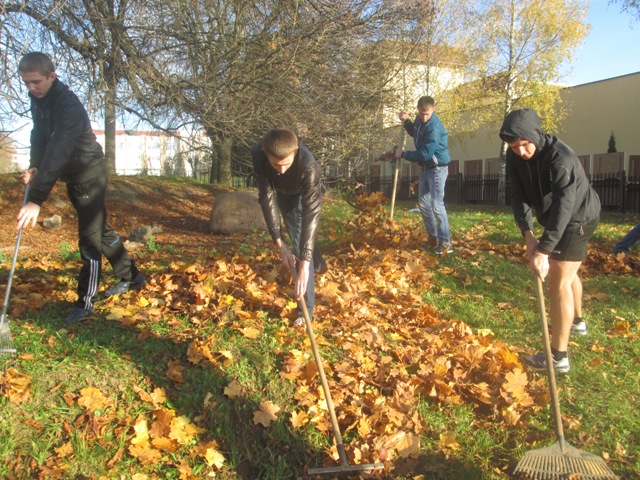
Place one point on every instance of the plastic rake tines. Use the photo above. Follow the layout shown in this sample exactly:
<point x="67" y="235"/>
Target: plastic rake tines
<point x="7" y="348"/>
<point x="562" y="463"/>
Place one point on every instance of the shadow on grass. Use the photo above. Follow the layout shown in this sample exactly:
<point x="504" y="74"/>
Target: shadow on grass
<point x="251" y="451"/>
<point x="435" y="467"/>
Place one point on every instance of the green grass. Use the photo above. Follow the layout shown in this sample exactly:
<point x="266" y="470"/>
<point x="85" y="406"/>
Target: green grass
<point x="486" y="290"/>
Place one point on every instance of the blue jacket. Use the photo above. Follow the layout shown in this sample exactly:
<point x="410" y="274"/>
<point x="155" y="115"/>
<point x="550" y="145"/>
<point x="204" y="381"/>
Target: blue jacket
<point x="431" y="140"/>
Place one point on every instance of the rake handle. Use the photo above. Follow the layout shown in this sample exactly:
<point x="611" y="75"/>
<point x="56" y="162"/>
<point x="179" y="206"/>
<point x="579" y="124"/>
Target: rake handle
<point x="323" y="379"/>
<point x="551" y="374"/>
<point x="397" y="170"/>
<point x="7" y="292"/>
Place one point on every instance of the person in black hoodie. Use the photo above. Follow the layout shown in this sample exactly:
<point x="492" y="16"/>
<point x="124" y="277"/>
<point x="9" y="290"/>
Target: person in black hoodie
<point x="288" y="178"/>
<point x="63" y="146"/>
<point x="547" y="177"/>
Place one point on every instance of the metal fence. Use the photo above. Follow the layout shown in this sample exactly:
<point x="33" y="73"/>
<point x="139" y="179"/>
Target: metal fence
<point x="617" y="191"/>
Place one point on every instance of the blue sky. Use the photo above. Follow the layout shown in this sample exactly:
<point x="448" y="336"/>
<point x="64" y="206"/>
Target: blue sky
<point x="612" y="47"/>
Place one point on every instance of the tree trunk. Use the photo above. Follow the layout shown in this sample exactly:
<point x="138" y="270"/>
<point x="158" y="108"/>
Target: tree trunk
<point x="502" y="175"/>
<point x="110" y="132"/>
<point x="224" y="159"/>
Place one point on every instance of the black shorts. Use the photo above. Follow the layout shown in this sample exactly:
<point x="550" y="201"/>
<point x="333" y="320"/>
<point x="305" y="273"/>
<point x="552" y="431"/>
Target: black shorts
<point x="572" y="246"/>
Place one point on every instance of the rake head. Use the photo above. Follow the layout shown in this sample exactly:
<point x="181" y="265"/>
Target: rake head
<point x="7" y="348"/>
<point x="562" y="463"/>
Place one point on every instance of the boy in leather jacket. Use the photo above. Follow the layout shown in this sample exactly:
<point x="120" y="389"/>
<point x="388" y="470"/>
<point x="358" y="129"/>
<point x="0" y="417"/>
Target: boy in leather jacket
<point x="288" y="178"/>
<point x="63" y="146"/>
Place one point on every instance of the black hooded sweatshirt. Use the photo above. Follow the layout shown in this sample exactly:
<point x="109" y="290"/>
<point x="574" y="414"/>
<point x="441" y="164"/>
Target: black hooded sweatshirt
<point x="553" y="182"/>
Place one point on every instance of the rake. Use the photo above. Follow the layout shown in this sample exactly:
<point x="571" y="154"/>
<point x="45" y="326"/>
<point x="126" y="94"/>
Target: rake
<point x="7" y="348"/>
<point x="345" y="467"/>
<point x="560" y="461"/>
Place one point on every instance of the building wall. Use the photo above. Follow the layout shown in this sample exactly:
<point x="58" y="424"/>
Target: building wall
<point x="594" y="111"/>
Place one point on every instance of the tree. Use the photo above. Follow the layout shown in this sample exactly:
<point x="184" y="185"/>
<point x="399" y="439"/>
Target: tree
<point x="86" y="37"/>
<point x="631" y="7"/>
<point x="240" y="68"/>
<point x="612" y="144"/>
<point x="525" y="44"/>
<point x="6" y="154"/>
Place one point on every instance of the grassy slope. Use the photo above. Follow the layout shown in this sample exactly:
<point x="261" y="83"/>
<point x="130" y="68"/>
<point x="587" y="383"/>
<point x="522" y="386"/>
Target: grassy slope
<point x="483" y="288"/>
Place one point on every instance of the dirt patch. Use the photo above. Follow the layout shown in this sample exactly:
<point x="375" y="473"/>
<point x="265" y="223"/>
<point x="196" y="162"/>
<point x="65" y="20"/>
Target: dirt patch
<point x="179" y="206"/>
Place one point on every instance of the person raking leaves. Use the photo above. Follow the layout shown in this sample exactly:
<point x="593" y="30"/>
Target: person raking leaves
<point x="547" y="177"/>
<point x="63" y="146"/>
<point x="288" y="178"/>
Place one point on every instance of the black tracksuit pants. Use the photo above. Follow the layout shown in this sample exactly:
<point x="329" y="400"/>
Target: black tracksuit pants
<point x="87" y="193"/>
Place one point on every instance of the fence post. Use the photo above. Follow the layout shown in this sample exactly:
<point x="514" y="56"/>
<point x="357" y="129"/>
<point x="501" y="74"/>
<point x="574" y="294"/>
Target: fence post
<point x="623" y="191"/>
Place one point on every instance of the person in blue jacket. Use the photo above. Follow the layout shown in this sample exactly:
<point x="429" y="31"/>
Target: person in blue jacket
<point x="431" y="141"/>
<point x="63" y="146"/>
<point x="628" y="241"/>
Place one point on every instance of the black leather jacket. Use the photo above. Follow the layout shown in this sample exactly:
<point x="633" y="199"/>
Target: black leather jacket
<point x="62" y="142"/>
<point x="301" y="179"/>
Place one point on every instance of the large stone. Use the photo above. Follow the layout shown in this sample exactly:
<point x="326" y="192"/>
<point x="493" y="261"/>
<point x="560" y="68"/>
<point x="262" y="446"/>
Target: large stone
<point x="52" y="223"/>
<point x="143" y="233"/>
<point x="236" y="212"/>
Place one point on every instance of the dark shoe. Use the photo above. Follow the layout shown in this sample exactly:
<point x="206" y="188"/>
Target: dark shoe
<point x="322" y="267"/>
<point x="443" y="249"/>
<point x="77" y="314"/>
<point x="123" y="287"/>
<point x="539" y="362"/>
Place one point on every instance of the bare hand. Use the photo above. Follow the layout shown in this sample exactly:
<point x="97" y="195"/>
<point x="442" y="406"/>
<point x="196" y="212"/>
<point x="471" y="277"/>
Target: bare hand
<point x="397" y="153"/>
<point x="539" y="265"/>
<point x="403" y="116"/>
<point x="288" y="259"/>
<point x="390" y="155"/>
<point x="303" y="279"/>
<point x="28" y="215"/>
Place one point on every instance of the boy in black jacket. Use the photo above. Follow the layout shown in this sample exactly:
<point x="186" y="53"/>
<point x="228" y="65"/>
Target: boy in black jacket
<point x="288" y="179"/>
<point x="63" y="146"/>
<point x="547" y="176"/>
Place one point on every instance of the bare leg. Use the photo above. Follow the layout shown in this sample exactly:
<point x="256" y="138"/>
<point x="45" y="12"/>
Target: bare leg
<point x="562" y="276"/>
<point x="576" y="287"/>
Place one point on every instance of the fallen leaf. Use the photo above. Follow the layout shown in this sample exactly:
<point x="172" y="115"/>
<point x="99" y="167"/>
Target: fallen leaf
<point x="266" y="414"/>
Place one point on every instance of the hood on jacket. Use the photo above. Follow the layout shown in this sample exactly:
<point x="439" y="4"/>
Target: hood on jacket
<point x="522" y="124"/>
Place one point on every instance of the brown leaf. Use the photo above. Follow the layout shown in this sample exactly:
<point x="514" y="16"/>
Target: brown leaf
<point x="266" y="414"/>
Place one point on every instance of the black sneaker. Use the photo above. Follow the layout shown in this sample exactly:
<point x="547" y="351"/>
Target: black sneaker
<point x="77" y="314"/>
<point x="539" y="362"/>
<point x="123" y="287"/>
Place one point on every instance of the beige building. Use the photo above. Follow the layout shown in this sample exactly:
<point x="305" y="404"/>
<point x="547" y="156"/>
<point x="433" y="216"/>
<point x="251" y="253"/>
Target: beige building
<point x="595" y="111"/>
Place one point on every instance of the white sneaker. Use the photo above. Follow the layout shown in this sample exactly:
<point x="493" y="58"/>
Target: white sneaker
<point x="539" y="362"/>
<point x="579" y="328"/>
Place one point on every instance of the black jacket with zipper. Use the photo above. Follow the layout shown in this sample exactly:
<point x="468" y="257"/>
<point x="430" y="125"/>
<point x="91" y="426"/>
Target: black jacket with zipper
<point x="63" y="145"/>
<point x="553" y="182"/>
